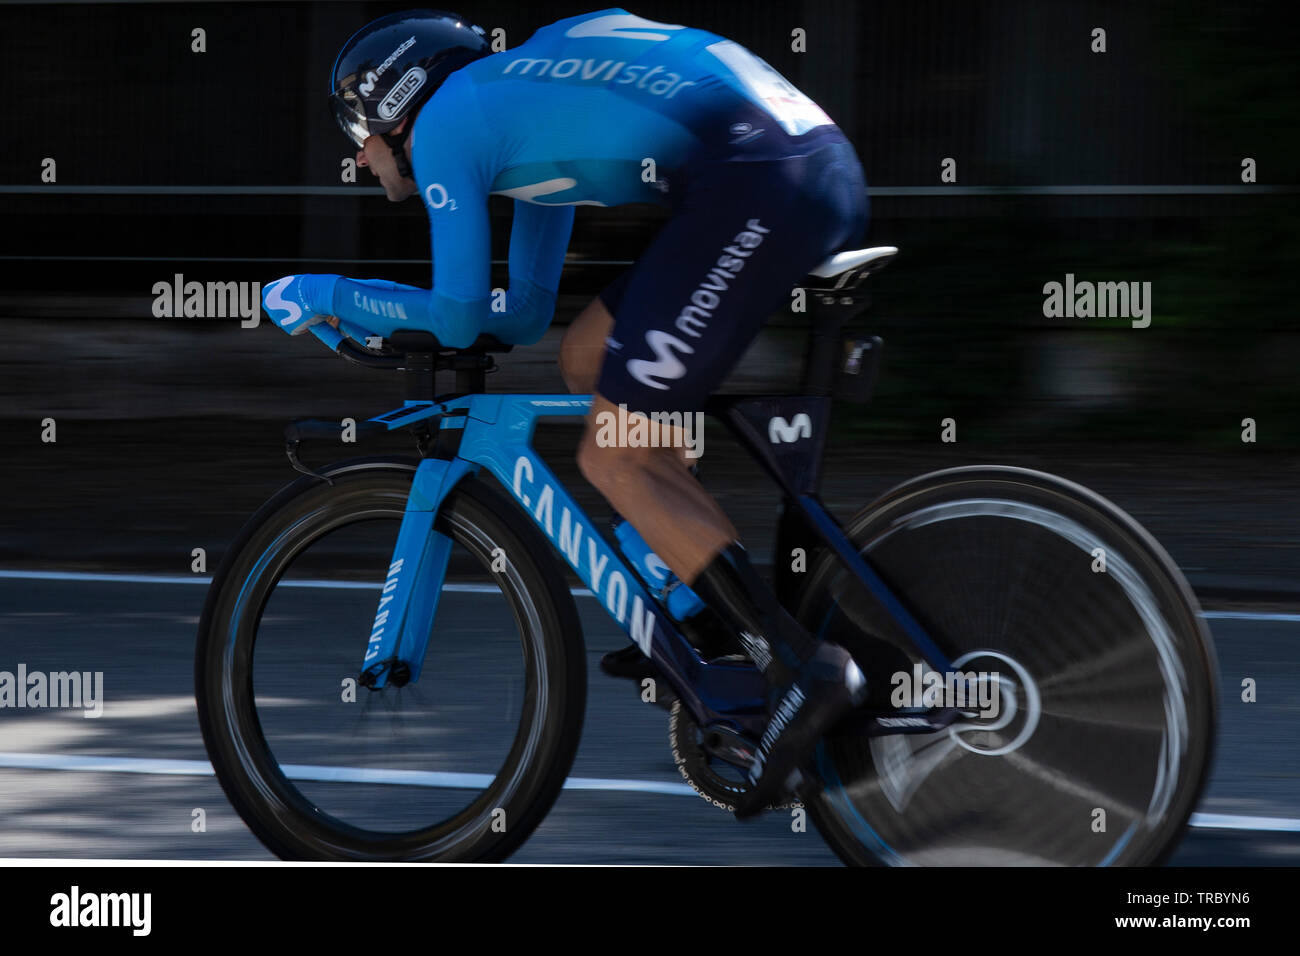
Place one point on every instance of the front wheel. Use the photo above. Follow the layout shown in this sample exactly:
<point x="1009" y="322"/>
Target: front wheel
<point x="459" y="765"/>
<point x="1088" y="672"/>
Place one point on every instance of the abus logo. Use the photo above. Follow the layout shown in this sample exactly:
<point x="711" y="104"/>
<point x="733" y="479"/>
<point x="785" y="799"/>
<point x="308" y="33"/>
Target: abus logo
<point x="401" y="93"/>
<point x="779" y="430"/>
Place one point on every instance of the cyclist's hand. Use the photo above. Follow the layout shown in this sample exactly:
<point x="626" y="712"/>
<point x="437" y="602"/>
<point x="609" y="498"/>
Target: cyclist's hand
<point x="298" y="302"/>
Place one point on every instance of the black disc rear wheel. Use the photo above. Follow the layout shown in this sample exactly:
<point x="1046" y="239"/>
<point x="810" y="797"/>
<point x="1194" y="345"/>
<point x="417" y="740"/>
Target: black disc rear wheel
<point x="1105" y="671"/>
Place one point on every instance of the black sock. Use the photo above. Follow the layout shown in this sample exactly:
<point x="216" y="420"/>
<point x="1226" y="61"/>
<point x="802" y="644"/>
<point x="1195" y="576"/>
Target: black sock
<point x="773" y="639"/>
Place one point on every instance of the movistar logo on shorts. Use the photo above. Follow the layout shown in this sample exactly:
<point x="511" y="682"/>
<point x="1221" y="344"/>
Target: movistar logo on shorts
<point x="401" y="93"/>
<point x="590" y="70"/>
<point x="665" y="364"/>
<point x="693" y="319"/>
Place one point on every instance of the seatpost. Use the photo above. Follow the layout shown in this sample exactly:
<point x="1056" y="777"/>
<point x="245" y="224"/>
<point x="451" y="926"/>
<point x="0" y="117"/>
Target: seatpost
<point x="471" y="381"/>
<point x="418" y="377"/>
<point x="829" y="311"/>
<point x="471" y="370"/>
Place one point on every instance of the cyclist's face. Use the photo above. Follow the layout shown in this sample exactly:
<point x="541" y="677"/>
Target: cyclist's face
<point x="376" y="155"/>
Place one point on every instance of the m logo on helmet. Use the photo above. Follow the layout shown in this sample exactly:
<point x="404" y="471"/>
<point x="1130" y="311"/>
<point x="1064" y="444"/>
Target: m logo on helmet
<point x="401" y="93"/>
<point x="367" y="86"/>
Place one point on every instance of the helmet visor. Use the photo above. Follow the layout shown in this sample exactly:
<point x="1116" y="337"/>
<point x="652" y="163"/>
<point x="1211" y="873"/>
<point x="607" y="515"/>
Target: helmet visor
<point x="350" y="115"/>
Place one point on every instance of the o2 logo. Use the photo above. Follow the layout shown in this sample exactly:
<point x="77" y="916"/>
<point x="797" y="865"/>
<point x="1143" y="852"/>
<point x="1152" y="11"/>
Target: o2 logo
<point x="437" y="198"/>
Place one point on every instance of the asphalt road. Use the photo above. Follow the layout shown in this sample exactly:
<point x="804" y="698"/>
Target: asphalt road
<point x="141" y="636"/>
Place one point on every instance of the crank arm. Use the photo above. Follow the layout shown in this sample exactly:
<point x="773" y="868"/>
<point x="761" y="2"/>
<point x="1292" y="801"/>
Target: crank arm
<point x="881" y="723"/>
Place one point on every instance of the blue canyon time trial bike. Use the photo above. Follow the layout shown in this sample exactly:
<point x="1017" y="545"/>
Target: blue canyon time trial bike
<point x="442" y="726"/>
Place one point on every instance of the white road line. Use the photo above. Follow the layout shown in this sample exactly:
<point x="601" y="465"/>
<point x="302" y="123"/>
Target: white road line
<point x="478" y="781"/>
<point x="465" y="588"/>
<point x="1249" y="616"/>
<point x="408" y="778"/>
<point x="1232" y="821"/>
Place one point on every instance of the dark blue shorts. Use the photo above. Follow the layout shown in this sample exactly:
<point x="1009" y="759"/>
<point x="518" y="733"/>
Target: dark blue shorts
<point x="743" y="233"/>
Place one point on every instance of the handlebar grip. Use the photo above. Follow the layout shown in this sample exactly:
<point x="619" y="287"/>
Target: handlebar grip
<point x="327" y="334"/>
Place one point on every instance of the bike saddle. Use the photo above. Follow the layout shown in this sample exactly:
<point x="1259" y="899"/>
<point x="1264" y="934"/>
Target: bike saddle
<point x="847" y="270"/>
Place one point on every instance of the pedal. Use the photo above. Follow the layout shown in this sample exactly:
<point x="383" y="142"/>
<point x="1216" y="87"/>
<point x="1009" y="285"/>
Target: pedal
<point x="865" y="722"/>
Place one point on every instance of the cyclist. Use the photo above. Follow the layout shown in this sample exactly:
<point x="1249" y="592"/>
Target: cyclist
<point x="605" y="109"/>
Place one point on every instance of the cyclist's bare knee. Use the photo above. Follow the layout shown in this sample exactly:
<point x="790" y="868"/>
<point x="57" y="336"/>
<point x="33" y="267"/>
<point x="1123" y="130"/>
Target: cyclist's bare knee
<point x="612" y="468"/>
<point x="582" y="350"/>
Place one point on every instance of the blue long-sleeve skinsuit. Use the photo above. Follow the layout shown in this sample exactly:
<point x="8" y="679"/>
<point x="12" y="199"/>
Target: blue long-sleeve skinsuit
<point x="568" y="118"/>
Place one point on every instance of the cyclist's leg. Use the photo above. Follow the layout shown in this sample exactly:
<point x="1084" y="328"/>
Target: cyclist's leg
<point x="682" y="319"/>
<point x="655" y="490"/>
<point x="696" y="527"/>
<point x="683" y="316"/>
<point x="582" y="350"/>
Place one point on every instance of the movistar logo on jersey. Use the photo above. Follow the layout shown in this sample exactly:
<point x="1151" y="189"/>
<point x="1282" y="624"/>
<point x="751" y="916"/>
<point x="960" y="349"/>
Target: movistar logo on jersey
<point x="591" y="70"/>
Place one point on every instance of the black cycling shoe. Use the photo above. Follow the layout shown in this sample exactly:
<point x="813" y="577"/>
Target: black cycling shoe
<point x="709" y="635"/>
<point x="706" y="631"/>
<point x="630" y="664"/>
<point x="826" y="687"/>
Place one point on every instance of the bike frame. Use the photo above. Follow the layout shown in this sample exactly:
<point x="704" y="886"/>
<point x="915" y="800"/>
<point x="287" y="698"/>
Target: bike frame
<point x="786" y="435"/>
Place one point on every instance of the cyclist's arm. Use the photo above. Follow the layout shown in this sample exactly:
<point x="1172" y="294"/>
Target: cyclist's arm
<point x="454" y="175"/>
<point x="539" y="237"/>
<point x="457" y="308"/>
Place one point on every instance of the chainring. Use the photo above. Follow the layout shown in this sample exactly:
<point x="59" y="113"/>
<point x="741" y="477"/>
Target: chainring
<point x="697" y="766"/>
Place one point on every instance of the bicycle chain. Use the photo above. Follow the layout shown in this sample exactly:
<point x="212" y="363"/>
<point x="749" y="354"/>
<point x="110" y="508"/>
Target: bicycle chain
<point x="693" y="765"/>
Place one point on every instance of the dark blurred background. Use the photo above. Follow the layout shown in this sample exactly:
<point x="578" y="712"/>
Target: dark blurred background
<point x="1124" y="165"/>
<point x="225" y="166"/>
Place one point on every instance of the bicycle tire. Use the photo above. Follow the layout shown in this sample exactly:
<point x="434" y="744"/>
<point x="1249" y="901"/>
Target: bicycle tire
<point x="857" y="811"/>
<point x="473" y="515"/>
